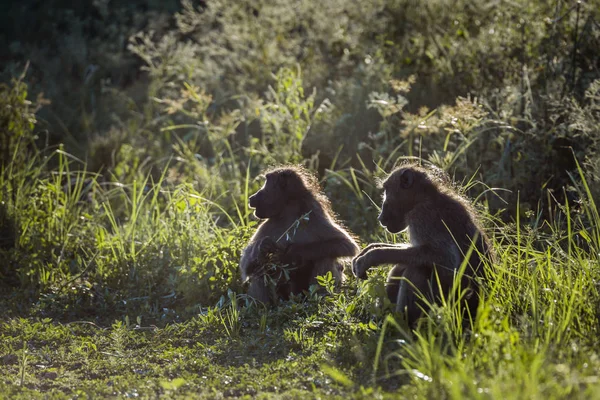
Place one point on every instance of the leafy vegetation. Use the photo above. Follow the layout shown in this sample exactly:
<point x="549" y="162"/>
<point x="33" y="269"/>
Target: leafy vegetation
<point x="127" y="159"/>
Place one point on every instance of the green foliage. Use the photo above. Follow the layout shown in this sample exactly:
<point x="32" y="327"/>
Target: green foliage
<point x="285" y="120"/>
<point x="230" y="318"/>
<point x="74" y="230"/>
<point x="137" y="205"/>
<point x="17" y="117"/>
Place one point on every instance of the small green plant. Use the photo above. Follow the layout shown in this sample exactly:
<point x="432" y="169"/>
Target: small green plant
<point x="285" y="119"/>
<point x="299" y="338"/>
<point x="17" y="117"/>
<point x="23" y="365"/>
<point x="263" y="322"/>
<point x="230" y="316"/>
<point x="326" y="282"/>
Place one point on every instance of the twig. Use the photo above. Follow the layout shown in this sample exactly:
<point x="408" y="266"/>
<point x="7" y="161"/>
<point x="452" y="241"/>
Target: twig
<point x="295" y="224"/>
<point x="80" y="274"/>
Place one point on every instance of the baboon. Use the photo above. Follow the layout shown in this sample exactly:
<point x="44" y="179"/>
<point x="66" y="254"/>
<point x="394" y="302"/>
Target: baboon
<point x="442" y="228"/>
<point x="299" y="231"/>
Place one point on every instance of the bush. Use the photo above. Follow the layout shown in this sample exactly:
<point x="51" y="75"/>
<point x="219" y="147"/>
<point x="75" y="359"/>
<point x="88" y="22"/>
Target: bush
<point x="152" y="204"/>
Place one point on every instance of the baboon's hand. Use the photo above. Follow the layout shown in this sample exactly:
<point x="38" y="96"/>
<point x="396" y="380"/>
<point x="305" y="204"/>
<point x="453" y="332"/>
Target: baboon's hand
<point x="292" y="254"/>
<point x="360" y="266"/>
<point x="268" y="245"/>
<point x="252" y="267"/>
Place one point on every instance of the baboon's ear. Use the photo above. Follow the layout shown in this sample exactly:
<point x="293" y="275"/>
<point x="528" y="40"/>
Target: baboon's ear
<point x="406" y="179"/>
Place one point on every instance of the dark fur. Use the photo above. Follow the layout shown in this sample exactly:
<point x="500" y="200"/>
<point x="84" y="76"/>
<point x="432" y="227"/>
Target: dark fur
<point x="315" y="248"/>
<point x="442" y="228"/>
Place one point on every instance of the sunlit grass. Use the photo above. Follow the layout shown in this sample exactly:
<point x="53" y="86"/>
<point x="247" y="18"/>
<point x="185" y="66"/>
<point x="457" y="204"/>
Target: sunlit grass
<point x="535" y="335"/>
<point x="158" y="241"/>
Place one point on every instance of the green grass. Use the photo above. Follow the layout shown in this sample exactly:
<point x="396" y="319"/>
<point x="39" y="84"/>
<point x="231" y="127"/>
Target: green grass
<point x="119" y="273"/>
<point x="195" y="357"/>
<point x="92" y="258"/>
<point x="535" y="336"/>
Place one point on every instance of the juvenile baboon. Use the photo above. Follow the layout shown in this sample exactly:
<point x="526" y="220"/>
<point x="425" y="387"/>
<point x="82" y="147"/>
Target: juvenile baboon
<point x="299" y="231"/>
<point x="442" y="228"/>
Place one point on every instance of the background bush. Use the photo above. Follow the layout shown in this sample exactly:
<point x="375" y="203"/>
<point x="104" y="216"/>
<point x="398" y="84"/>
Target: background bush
<point x="168" y="112"/>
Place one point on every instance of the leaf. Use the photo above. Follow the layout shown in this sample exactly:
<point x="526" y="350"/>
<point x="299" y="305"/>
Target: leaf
<point x="585" y="236"/>
<point x="337" y="375"/>
<point x="172" y="385"/>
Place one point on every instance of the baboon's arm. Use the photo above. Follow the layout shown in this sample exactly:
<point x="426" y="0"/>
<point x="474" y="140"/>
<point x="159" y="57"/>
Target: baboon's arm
<point x="244" y="264"/>
<point x="247" y="263"/>
<point x="373" y="246"/>
<point x="414" y="256"/>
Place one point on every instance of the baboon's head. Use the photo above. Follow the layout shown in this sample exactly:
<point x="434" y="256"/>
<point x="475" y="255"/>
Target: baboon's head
<point x="405" y="188"/>
<point x="283" y="187"/>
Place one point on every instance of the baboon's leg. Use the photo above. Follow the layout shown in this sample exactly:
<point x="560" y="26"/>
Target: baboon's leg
<point x="258" y="289"/>
<point x="299" y="278"/>
<point x="322" y="267"/>
<point x="308" y="276"/>
<point x="472" y="299"/>
<point x="393" y="283"/>
<point x="414" y="289"/>
<point x="406" y="286"/>
<point x="450" y="285"/>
